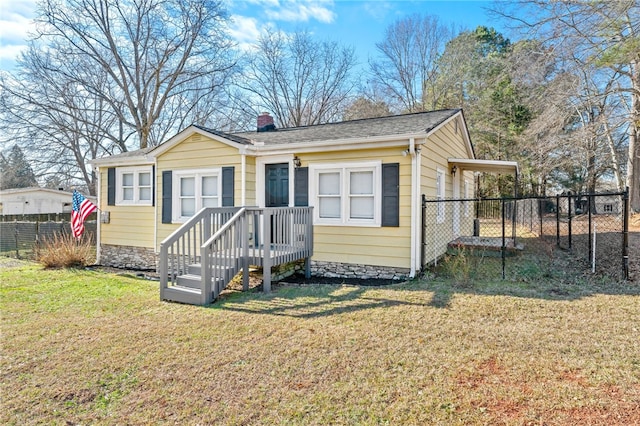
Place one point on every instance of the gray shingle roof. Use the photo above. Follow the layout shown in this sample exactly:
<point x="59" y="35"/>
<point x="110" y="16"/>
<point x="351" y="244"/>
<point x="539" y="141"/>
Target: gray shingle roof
<point x="416" y="123"/>
<point x="369" y="127"/>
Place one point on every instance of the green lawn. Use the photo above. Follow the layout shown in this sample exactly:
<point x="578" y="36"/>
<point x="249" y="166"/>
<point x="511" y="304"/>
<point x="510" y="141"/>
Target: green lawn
<point x="87" y="347"/>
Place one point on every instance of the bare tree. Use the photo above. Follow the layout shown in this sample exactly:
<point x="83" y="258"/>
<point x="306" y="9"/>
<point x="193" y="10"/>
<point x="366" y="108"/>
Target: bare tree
<point x="603" y="34"/>
<point x="405" y="68"/>
<point x="299" y="80"/>
<point x="59" y="124"/>
<point x="149" y="53"/>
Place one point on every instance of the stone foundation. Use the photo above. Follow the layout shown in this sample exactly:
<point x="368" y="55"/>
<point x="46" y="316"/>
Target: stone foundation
<point x="128" y="257"/>
<point x="349" y="270"/>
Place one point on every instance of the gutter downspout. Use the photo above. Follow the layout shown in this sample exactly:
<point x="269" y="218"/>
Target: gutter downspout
<point x="99" y="216"/>
<point x="415" y="185"/>
<point x="156" y="246"/>
<point x="243" y="178"/>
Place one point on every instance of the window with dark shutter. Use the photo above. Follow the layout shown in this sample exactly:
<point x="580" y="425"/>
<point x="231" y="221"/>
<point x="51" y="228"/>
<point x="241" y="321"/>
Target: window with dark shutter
<point x="227" y="186"/>
<point x="391" y="194"/>
<point x="301" y="187"/>
<point x="167" y="177"/>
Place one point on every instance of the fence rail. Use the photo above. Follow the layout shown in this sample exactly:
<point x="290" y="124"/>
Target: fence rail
<point x="18" y="238"/>
<point x="514" y="237"/>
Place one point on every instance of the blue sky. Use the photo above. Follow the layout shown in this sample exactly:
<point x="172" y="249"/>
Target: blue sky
<point x="357" y="23"/>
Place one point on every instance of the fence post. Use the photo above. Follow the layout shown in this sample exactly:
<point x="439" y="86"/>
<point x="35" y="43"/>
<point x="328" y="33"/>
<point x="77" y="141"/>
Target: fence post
<point x="569" y="217"/>
<point x="625" y="234"/>
<point x="16" y="238"/>
<point x="504" y="248"/>
<point x="423" y="234"/>
<point x="558" y="220"/>
<point x="591" y="247"/>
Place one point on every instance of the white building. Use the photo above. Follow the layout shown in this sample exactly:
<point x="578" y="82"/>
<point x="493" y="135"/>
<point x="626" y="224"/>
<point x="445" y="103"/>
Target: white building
<point x="36" y="201"/>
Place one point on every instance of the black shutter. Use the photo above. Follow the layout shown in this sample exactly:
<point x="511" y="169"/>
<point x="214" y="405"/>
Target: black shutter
<point x="227" y="186"/>
<point x="153" y="185"/>
<point x="391" y="194"/>
<point x="301" y="187"/>
<point x="111" y="186"/>
<point x="167" y="177"/>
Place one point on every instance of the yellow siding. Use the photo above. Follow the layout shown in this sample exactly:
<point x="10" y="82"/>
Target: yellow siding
<point x="444" y="144"/>
<point x="129" y="225"/>
<point x="378" y="246"/>
<point x="196" y="152"/>
<point x="250" y="168"/>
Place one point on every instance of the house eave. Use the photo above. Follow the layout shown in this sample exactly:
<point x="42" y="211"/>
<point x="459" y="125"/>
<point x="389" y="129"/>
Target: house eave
<point x="189" y="131"/>
<point x="142" y="160"/>
<point x="345" y="144"/>
<point x="487" y="166"/>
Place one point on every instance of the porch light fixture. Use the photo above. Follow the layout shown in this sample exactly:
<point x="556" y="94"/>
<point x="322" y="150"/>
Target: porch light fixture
<point x="454" y="169"/>
<point x="296" y="161"/>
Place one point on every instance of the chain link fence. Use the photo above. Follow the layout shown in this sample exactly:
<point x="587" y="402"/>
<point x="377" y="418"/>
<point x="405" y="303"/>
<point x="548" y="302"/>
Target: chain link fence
<point x="18" y="238"/>
<point x="527" y="238"/>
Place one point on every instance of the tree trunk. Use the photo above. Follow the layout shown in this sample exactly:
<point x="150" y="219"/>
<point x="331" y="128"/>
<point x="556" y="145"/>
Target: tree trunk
<point x="633" y="160"/>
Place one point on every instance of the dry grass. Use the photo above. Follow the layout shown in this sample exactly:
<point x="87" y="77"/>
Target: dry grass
<point x="63" y="250"/>
<point x="85" y="347"/>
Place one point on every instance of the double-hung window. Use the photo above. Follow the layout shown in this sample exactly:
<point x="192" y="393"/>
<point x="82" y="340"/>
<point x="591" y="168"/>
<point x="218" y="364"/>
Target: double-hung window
<point x="347" y="194"/>
<point x="134" y="185"/>
<point x="194" y="190"/>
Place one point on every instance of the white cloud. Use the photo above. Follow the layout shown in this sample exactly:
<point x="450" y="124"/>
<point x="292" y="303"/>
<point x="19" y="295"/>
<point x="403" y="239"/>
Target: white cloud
<point x="302" y="11"/>
<point x="244" y="30"/>
<point x="16" y="21"/>
<point x="379" y="10"/>
<point x="288" y="10"/>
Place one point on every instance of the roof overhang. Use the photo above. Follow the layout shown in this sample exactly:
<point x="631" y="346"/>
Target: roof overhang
<point x="486" y="166"/>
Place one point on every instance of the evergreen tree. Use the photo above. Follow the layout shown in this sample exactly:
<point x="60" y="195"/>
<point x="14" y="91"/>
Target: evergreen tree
<point x="16" y="171"/>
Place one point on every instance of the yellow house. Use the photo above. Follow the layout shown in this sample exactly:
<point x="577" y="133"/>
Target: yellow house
<point x="361" y="182"/>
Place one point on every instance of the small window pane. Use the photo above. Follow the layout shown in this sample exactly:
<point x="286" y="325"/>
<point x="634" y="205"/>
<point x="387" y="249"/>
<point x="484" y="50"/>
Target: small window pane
<point x="329" y="183"/>
<point x="210" y="202"/>
<point x="187" y="187"/>
<point x="330" y="207"/>
<point x="361" y="182"/>
<point x="127" y="179"/>
<point x="188" y="207"/>
<point x="209" y="186"/>
<point x="362" y="208"/>
<point x="127" y="194"/>
<point x="145" y="194"/>
<point x="144" y="179"/>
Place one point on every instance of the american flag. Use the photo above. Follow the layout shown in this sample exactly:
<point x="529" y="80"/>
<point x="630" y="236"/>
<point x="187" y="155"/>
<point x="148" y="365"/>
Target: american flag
<point x="81" y="209"/>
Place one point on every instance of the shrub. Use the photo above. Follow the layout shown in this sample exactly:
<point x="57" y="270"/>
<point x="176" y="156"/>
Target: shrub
<point x="64" y="251"/>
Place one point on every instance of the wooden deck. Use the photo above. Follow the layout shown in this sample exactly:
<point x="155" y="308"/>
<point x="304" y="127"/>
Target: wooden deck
<point x="202" y="256"/>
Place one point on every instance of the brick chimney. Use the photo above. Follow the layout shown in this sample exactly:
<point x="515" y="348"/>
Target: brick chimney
<point x="265" y="122"/>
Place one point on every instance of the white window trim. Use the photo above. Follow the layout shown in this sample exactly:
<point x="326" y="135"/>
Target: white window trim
<point x="261" y="163"/>
<point x="197" y="174"/>
<point x="343" y="169"/>
<point x="120" y="171"/>
<point x="440" y="195"/>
